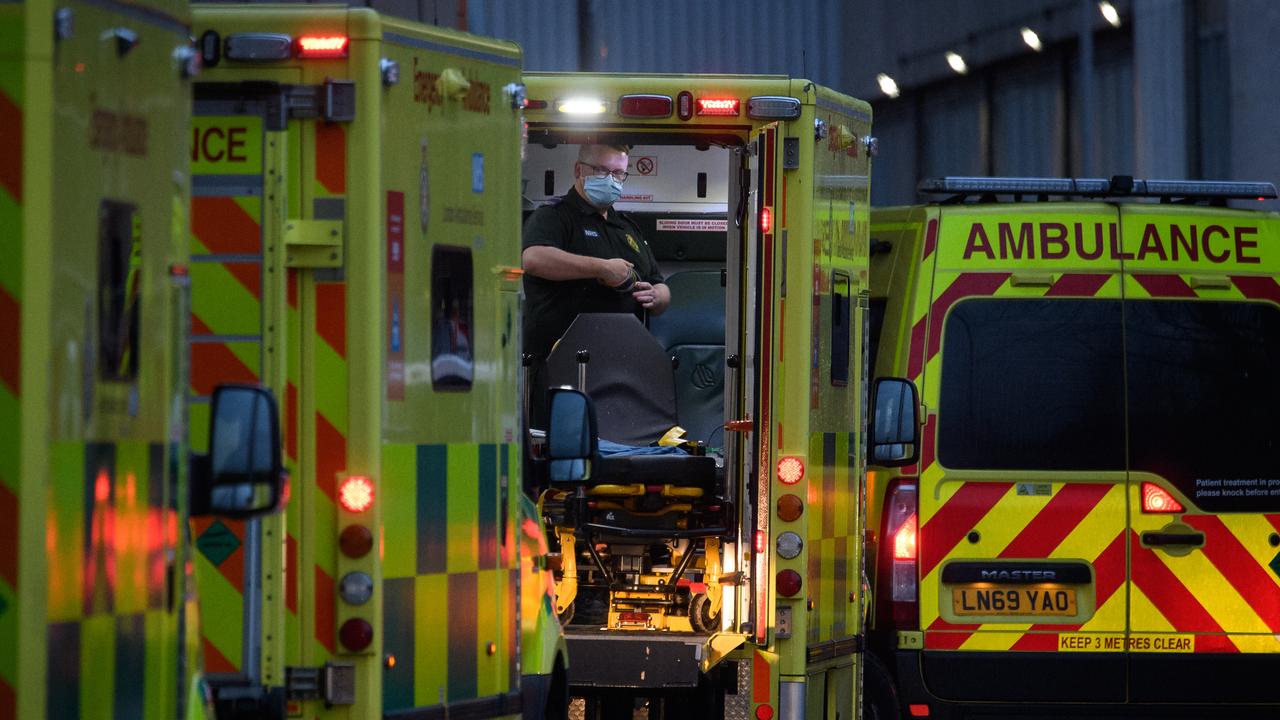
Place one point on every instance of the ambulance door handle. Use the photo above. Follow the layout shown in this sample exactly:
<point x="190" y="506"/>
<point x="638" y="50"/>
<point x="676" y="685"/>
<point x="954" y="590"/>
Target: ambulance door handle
<point x="1168" y="539"/>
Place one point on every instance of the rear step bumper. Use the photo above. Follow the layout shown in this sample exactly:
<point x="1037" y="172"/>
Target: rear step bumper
<point x="622" y="659"/>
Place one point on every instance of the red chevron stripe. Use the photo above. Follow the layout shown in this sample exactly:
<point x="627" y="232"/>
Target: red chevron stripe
<point x="966" y="285"/>
<point x="930" y="239"/>
<point x="1064" y="511"/>
<point x="1077" y="285"/>
<point x="945" y="640"/>
<point x="215" y="661"/>
<point x="1036" y="642"/>
<point x="1162" y="285"/>
<point x="224" y="227"/>
<point x="915" y="357"/>
<point x="1171" y="598"/>
<point x="940" y="624"/>
<point x="11" y="147"/>
<point x="1258" y="288"/>
<point x="291" y="573"/>
<point x="1275" y="521"/>
<point x="1256" y="585"/>
<point x="291" y="421"/>
<point x="955" y="519"/>
<point x="213" y="363"/>
<point x="8" y="701"/>
<point x="331" y="157"/>
<point x="331" y="456"/>
<point x="331" y="315"/>
<point x="10" y="342"/>
<point x="324" y="608"/>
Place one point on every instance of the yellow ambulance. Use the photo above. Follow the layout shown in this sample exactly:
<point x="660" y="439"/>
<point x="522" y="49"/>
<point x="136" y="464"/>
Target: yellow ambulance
<point x="95" y="490"/>
<point x="723" y="579"/>
<point x="355" y="225"/>
<point x="1092" y="522"/>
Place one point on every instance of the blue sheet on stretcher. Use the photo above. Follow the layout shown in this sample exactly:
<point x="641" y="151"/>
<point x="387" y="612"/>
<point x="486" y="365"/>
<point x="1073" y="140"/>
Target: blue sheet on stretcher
<point x="608" y="448"/>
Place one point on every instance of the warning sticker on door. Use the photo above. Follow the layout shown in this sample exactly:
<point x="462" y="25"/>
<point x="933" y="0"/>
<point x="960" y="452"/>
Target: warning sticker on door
<point x="692" y="225"/>
<point x="645" y="165"/>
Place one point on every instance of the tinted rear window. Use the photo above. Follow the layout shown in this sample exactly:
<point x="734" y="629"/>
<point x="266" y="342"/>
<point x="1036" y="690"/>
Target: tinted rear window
<point x="1203" y="392"/>
<point x="1032" y="384"/>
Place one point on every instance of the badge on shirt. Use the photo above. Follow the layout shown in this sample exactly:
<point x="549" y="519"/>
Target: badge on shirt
<point x="591" y="233"/>
<point x="632" y="242"/>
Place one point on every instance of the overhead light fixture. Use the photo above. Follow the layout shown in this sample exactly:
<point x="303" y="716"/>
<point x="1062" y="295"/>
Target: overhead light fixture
<point x="957" y="63"/>
<point x="1032" y="40"/>
<point x="888" y="86"/>
<point x="1109" y="13"/>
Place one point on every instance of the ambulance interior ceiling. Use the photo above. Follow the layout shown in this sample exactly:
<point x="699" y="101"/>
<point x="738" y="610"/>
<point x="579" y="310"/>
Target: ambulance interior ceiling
<point x="676" y="194"/>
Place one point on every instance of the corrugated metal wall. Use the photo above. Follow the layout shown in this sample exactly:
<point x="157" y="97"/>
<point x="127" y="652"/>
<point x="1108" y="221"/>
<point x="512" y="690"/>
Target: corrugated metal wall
<point x="802" y="38"/>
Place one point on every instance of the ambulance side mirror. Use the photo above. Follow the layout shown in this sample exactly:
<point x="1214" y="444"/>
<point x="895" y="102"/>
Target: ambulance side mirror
<point x="895" y="423"/>
<point x="571" y="436"/>
<point x="243" y="475"/>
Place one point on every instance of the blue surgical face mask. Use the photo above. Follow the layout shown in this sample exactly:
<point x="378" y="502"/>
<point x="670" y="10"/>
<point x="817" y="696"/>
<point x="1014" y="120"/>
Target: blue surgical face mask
<point x="602" y="192"/>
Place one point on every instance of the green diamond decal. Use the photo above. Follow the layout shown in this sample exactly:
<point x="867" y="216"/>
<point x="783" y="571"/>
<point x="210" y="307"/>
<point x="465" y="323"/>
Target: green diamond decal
<point x="217" y="543"/>
<point x="1275" y="565"/>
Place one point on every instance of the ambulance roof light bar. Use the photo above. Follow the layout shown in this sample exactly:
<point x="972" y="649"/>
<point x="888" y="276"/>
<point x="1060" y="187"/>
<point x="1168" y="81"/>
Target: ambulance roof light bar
<point x="1117" y="186"/>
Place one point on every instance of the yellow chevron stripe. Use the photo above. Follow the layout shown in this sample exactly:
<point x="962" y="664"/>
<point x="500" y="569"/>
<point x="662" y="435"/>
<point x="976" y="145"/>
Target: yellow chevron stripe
<point x="1214" y="592"/>
<point x="1098" y="529"/>
<point x="999" y="640"/>
<point x="1112" y="616"/>
<point x="1143" y="614"/>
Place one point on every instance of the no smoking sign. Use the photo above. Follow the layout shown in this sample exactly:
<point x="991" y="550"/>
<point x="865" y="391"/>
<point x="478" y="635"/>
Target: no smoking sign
<point x="646" y="165"/>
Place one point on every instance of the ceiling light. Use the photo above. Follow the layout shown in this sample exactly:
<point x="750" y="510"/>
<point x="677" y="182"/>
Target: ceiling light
<point x="957" y="63"/>
<point x="888" y="86"/>
<point x="1110" y="13"/>
<point x="1032" y="40"/>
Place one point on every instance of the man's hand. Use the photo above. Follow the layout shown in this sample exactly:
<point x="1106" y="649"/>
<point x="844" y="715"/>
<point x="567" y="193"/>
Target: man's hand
<point x="654" y="298"/>
<point x="614" y="272"/>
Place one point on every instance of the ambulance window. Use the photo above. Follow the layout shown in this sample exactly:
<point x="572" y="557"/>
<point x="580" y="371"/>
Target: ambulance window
<point x="1032" y="385"/>
<point x="119" y="289"/>
<point x="1203" y="389"/>
<point x="452" y="359"/>
<point x="840" y="324"/>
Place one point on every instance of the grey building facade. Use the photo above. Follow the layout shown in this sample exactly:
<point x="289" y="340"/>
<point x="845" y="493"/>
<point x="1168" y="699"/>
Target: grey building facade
<point x="1171" y="89"/>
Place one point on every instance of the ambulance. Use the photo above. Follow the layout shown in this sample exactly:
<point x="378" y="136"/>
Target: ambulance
<point x="724" y="577"/>
<point x="355" y="229"/>
<point x="95" y="486"/>
<point x="1091" y="523"/>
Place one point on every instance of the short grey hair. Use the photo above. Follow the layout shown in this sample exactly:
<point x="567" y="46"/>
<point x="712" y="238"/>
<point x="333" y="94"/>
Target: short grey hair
<point x="587" y="153"/>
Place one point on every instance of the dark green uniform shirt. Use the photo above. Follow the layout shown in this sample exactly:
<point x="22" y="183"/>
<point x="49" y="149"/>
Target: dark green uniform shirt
<point x="571" y="224"/>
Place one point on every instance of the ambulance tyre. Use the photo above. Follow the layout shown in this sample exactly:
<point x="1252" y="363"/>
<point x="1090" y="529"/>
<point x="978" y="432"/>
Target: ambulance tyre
<point x="700" y="614"/>
<point x="878" y="690"/>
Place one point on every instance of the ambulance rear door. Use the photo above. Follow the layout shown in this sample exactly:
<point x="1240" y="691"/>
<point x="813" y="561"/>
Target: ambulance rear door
<point x="239" y="189"/>
<point x="1022" y="521"/>
<point x="1202" y="334"/>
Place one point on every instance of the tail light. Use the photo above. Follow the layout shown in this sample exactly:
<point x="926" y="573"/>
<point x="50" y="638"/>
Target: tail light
<point x="902" y="534"/>
<point x="789" y="583"/>
<point x="1156" y="499"/>
<point x="356" y="494"/>
<point x="718" y="106"/>
<point x="790" y="470"/>
<point x="761" y="541"/>
<point x="766" y="221"/>
<point x="654" y="106"/>
<point x="323" y="46"/>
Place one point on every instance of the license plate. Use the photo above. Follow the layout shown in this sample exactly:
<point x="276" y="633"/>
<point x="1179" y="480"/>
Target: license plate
<point x="1045" y="600"/>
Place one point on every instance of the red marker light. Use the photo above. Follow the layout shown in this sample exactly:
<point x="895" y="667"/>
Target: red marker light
<point x="762" y="541"/>
<point x="658" y="106"/>
<point x="789" y="583"/>
<point x="766" y="221"/>
<point x="790" y="470"/>
<point x="718" y="106"/>
<point x="356" y="634"/>
<point x="355" y="494"/>
<point x="1156" y="499"/>
<point x="323" y="46"/>
<point x="764" y="712"/>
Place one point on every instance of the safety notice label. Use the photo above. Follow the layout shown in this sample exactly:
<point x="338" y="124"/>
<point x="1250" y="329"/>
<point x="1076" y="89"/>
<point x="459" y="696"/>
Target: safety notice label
<point x="692" y="225"/>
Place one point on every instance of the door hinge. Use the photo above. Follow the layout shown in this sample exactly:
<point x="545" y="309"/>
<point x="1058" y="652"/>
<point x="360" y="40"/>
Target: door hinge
<point x="313" y="243"/>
